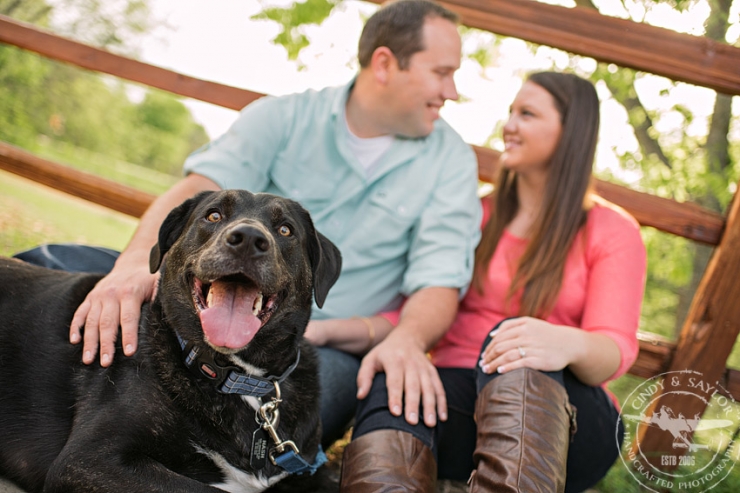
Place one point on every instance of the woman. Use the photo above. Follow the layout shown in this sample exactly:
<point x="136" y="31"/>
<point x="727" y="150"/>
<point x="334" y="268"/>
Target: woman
<point x="560" y="275"/>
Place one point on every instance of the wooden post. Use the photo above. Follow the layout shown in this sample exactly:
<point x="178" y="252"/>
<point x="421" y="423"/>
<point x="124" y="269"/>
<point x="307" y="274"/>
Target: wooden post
<point x="706" y="340"/>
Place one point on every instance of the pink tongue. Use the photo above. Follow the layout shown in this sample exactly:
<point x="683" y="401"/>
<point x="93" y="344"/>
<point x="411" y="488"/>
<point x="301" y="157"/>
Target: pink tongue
<point x="228" y="321"/>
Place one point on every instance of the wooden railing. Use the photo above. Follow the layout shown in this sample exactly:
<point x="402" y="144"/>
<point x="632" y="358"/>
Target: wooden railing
<point x="582" y="31"/>
<point x="713" y="323"/>
<point x="108" y="193"/>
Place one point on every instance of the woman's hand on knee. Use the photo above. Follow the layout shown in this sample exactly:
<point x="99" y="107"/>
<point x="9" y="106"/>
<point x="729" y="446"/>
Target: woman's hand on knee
<point x="528" y="342"/>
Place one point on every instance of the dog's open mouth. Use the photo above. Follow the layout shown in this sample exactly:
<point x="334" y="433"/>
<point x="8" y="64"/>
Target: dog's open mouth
<point x="232" y="310"/>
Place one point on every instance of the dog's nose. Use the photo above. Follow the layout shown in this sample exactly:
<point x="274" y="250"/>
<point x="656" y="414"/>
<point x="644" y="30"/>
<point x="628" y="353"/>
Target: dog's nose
<point x="249" y="239"/>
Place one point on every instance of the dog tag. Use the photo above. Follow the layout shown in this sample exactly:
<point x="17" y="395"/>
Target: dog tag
<point x="259" y="449"/>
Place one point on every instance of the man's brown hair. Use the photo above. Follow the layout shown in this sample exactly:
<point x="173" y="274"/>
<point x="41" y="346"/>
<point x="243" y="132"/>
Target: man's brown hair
<point x="398" y="26"/>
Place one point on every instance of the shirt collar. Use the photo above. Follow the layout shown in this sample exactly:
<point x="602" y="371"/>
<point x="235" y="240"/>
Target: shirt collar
<point x="340" y="98"/>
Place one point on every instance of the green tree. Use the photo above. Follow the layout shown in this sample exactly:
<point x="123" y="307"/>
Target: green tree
<point x="291" y="20"/>
<point x="33" y="11"/>
<point x="165" y="133"/>
<point x="19" y="72"/>
<point x="46" y="106"/>
<point x="112" y="24"/>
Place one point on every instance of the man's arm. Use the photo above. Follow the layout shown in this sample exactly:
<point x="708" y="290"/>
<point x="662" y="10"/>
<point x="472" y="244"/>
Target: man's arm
<point x="442" y="246"/>
<point x="356" y="335"/>
<point x="410" y="375"/>
<point x="117" y="298"/>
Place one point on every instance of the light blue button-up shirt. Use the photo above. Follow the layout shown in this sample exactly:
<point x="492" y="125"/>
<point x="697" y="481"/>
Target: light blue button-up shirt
<point x="413" y="223"/>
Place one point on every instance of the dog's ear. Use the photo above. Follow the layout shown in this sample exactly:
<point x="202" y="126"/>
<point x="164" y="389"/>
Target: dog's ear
<point x="326" y="264"/>
<point x="172" y="228"/>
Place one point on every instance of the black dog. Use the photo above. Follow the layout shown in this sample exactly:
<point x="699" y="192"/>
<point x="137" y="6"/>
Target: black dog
<point x="222" y="393"/>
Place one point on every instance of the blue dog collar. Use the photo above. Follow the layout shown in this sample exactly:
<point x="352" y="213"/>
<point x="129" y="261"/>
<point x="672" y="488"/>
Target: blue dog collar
<point x="230" y="379"/>
<point x="295" y="464"/>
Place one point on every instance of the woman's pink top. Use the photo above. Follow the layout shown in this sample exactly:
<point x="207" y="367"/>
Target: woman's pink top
<point x="603" y="285"/>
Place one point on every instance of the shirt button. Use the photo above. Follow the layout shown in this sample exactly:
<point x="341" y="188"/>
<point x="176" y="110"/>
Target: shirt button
<point x="401" y="209"/>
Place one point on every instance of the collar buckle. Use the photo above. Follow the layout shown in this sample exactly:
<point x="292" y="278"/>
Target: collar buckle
<point x="230" y="379"/>
<point x="205" y="365"/>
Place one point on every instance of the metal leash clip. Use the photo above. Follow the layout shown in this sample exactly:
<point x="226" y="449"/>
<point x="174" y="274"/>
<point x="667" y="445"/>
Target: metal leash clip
<point x="269" y="417"/>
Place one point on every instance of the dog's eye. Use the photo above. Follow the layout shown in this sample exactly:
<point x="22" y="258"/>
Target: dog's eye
<point x="213" y="217"/>
<point x="284" y="230"/>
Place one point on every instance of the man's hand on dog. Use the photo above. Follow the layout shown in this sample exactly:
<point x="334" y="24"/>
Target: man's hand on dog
<point x="115" y="300"/>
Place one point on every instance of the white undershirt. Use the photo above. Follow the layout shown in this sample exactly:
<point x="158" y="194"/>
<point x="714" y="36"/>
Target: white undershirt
<point x="368" y="151"/>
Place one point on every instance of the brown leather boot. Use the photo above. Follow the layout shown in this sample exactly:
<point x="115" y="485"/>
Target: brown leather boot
<point x="524" y="428"/>
<point x="387" y="461"/>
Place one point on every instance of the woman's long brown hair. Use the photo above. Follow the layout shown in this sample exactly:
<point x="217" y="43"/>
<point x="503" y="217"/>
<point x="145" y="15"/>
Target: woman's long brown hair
<point x="563" y="212"/>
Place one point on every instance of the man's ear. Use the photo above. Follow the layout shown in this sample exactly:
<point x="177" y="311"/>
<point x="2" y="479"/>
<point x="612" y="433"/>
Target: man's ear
<point x="383" y="63"/>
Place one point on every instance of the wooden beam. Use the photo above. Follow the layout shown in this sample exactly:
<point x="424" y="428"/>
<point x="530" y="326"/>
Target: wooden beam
<point x="709" y="332"/>
<point x="654" y="356"/>
<point x="31" y="38"/>
<point x="682" y="57"/>
<point x="107" y="193"/>
<point x="685" y="219"/>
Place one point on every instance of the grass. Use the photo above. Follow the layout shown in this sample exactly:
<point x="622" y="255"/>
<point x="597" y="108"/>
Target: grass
<point x="32" y="214"/>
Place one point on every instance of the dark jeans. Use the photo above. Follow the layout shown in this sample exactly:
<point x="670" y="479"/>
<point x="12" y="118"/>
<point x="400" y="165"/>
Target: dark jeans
<point x="591" y="453"/>
<point x="337" y="369"/>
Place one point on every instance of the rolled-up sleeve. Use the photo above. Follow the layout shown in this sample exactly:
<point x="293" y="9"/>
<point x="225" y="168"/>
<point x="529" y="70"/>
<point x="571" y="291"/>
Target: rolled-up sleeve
<point x="616" y="284"/>
<point x="444" y="238"/>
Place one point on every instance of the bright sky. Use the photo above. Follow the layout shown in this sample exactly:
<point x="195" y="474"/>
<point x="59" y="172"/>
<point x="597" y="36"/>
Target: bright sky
<point x="218" y="41"/>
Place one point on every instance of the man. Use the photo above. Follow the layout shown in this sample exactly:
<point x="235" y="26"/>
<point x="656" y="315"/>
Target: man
<point x="385" y="179"/>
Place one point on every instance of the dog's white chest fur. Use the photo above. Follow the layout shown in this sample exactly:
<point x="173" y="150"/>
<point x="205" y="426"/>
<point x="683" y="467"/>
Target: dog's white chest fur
<point x="238" y="481"/>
